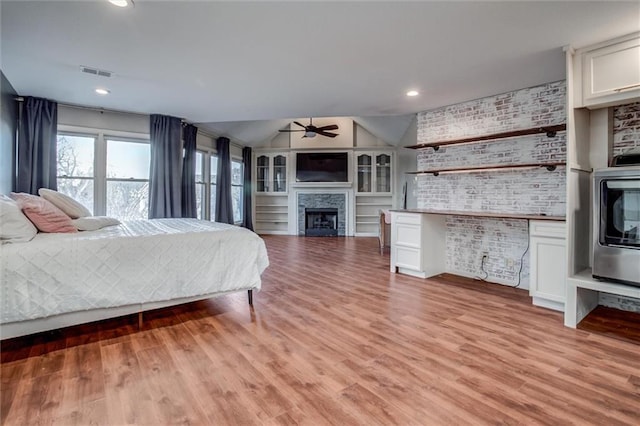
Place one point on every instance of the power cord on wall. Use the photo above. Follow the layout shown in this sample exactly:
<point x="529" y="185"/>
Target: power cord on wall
<point x="522" y="258"/>
<point x="486" y="274"/>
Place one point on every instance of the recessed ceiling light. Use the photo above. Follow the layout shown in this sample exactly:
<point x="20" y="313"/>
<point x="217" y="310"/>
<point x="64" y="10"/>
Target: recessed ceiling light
<point x="101" y="91"/>
<point x="412" y="93"/>
<point x="121" y="3"/>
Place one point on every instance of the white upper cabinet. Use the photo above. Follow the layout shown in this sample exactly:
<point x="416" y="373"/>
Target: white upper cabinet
<point x="271" y="173"/>
<point x="611" y="73"/>
<point x="373" y="172"/>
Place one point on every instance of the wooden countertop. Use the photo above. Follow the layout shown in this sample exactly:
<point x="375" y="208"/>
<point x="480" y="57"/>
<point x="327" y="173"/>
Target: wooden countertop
<point x="486" y="214"/>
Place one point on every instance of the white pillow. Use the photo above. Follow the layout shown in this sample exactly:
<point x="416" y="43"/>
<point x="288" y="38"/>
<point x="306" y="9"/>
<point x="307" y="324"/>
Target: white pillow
<point x="93" y="223"/>
<point x="71" y="207"/>
<point x="14" y="225"/>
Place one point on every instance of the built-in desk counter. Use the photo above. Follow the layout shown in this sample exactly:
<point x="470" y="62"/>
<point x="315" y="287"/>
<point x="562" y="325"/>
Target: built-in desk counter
<point x="418" y="248"/>
<point x="484" y="214"/>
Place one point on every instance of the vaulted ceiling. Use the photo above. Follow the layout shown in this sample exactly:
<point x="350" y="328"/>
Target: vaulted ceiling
<point x="245" y="69"/>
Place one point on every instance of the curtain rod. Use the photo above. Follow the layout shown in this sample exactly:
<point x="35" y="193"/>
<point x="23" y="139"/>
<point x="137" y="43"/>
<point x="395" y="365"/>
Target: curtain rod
<point x="211" y="135"/>
<point x="21" y="99"/>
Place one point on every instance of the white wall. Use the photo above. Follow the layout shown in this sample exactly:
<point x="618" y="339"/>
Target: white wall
<point x="407" y="162"/>
<point x="107" y="120"/>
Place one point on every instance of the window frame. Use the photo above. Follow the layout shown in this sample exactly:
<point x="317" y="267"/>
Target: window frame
<point x="109" y="137"/>
<point x="92" y="178"/>
<point x="100" y="137"/>
<point x="205" y="207"/>
<point x="240" y="161"/>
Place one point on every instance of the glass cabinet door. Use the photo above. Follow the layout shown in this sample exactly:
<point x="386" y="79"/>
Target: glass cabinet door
<point x="364" y="173"/>
<point x="279" y="173"/>
<point x="383" y="173"/>
<point x="262" y="174"/>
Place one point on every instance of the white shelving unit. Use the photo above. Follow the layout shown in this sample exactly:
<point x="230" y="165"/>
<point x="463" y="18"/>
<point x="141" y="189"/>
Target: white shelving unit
<point x="271" y="215"/>
<point x="271" y="196"/>
<point x="589" y="147"/>
<point x="373" y="183"/>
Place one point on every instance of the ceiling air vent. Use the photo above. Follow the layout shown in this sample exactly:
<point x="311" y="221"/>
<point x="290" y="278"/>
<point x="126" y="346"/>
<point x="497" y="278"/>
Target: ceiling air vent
<point x="96" y="71"/>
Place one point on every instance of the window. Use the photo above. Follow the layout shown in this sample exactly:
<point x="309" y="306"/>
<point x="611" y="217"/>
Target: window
<point x="206" y="170"/>
<point x="237" y="186"/>
<point x="200" y="185"/>
<point x="128" y="178"/>
<point x="76" y="172"/>
<point x="206" y="179"/>
<point x="213" y="179"/>
<point x="108" y="175"/>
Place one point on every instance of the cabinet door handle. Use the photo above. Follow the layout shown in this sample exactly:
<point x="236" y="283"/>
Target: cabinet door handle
<point x="633" y="86"/>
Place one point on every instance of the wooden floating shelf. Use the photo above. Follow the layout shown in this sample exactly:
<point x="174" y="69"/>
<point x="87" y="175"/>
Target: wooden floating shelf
<point x="496" y="167"/>
<point x="549" y="130"/>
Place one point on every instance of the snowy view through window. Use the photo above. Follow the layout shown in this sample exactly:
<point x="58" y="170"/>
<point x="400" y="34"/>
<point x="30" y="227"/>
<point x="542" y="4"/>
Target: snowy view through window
<point x="125" y="190"/>
<point x="127" y="171"/>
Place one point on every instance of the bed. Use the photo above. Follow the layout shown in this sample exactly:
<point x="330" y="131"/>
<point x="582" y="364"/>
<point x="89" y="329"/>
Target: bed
<point x="58" y="280"/>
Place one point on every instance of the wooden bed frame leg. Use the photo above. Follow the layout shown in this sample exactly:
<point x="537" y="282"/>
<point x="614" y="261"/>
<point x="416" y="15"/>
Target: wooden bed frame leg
<point x="140" y="321"/>
<point x="250" y="297"/>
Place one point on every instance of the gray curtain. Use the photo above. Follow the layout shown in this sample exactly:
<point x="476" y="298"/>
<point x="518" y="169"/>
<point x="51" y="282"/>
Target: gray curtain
<point x="36" y="161"/>
<point x="189" y="205"/>
<point x="247" y="220"/>
<point x="224" y="203"/>
<point x="165" y="180"/>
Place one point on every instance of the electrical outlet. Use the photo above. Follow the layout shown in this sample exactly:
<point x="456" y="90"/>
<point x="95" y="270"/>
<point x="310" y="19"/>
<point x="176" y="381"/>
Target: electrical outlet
<point x="485" y="254"/>
<point x="509" y="263"/>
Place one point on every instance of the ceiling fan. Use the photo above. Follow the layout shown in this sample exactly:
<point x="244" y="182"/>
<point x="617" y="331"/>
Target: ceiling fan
<point x="311" y="131"/>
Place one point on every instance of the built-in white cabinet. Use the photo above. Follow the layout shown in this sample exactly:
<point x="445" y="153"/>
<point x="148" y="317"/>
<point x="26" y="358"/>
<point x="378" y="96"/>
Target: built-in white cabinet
<point x="271" y="172"/>
<point x="373" y="172"/>
<point x="418" y="244"/>
<point x="373" y="183"/>
<point x="611" y="72"/>
<point x="271" y="203"/>
<point x="596" y="85"/>
<point x="548" y="276"/>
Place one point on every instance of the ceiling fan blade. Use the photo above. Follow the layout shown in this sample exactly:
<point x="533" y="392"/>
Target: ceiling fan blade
<point x="301" y="125"/>
<point x="287" y="130"/>
<point x="327" y="134"/>
<point x="329" y="127"/>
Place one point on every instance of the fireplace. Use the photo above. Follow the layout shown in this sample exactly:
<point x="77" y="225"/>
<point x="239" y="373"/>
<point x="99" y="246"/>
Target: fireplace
<point x="322" y="201"/>
<point x="321" y="222"/>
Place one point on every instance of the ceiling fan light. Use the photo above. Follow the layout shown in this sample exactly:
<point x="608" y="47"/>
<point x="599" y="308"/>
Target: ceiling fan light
<point x="308" y="134"/>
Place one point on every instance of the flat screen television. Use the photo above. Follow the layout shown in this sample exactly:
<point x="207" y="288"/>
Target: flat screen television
<point x="322" y="167"/>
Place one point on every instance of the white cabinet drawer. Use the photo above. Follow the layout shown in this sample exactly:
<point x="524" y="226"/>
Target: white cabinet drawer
<point x="546" y="228"/>
<point x="408" y="218"/>
<point x="408" y="235"/>
<point x="408" y="258"/>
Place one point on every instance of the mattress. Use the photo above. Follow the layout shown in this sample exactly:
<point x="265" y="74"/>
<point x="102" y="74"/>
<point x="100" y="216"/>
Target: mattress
<point x="135" y="262"/>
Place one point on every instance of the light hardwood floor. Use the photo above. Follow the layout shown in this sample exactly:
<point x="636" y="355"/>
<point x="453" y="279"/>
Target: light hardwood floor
<point x="334" y="338"/>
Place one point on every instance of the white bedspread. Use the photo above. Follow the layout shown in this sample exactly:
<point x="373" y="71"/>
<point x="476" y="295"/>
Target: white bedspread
<point x="135" y="262"/>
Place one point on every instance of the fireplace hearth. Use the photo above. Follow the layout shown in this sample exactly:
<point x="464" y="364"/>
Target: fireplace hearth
<point x="321" y="222"/>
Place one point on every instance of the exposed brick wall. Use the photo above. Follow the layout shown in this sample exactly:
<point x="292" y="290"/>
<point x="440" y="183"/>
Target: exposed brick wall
<point x="536" y="106"/>
<point x="506" y="240"/>
<point x="626" y="127"/>
<point x="532" y="191"/>
<point x="626" y="135"/>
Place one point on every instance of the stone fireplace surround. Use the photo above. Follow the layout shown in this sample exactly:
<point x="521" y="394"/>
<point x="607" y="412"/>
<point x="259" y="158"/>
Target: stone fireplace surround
<point x="322" y="199"/>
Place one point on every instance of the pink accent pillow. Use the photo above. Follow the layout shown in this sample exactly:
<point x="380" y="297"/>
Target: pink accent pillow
<point x="44" y="215"/>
